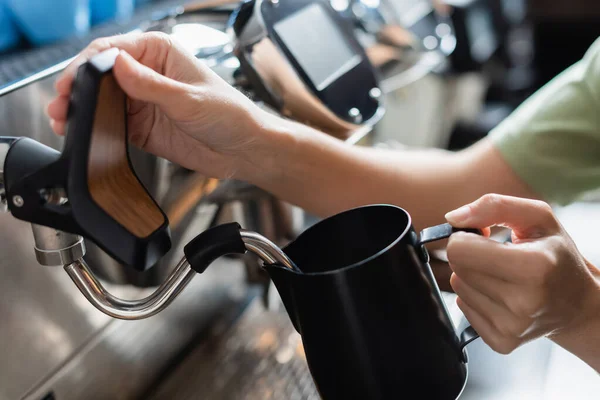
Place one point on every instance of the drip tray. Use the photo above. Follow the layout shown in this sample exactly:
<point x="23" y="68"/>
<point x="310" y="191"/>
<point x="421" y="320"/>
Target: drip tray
<point x="260" y="357"/>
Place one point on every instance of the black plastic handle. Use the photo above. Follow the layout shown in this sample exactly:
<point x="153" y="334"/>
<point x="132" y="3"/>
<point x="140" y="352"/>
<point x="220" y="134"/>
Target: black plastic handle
<point x="443" y="231"/>
<point x="468" y="335"/>
<point x="440" y="232"/>
<point x="213" y="243"/>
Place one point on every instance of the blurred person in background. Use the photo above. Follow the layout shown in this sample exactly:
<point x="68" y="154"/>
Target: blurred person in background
<point x="547" y="151"/>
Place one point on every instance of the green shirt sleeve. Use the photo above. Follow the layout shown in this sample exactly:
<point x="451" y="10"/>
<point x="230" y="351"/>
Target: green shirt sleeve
<point x="552" y="141"/>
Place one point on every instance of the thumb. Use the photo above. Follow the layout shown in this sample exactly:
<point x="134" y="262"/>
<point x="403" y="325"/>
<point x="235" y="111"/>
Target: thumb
<point x="145" y="84"/>
<point x="525" y="217"/>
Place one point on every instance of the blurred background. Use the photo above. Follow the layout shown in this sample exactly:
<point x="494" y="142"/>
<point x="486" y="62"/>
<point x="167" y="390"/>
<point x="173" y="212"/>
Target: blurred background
<point x="227" y="337"/>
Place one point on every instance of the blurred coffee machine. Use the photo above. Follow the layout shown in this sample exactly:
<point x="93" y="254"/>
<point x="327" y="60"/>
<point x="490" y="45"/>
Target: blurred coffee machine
<point x="529" y="43"/>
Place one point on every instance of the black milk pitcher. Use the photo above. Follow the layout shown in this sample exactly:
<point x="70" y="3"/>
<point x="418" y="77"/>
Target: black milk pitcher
<point x="361" y="293"/>
<point x="368" y="308"/>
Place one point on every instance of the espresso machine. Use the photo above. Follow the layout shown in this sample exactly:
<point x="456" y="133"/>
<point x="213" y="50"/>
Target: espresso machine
<point x="85" y="316"/>
<point x="67" y="348"/>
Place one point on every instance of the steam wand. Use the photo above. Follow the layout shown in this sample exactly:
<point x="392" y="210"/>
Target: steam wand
<point x="53" y="248"/>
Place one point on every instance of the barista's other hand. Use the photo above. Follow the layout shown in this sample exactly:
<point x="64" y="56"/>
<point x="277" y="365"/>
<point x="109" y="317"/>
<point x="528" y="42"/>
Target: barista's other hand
<point x="511" y="293"/>
<point x="178" y="108"/>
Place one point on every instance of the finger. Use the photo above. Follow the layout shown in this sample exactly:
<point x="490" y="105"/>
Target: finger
<point x="480" y="301"/>
<point x="143" y="83"/>
<point x="134" y="43"/>
<point x="470" y="252"/>
<point x="494" y="311"/>
<point x="58" y="108"/>
<point x="58" y="127"/>
<point x="494" y="288"/>
<point x="486" y="330"/>
<point x="65" y="81"/>
<point x="527" y="218"/>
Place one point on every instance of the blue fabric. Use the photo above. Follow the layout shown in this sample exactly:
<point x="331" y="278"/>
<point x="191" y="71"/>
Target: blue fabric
<point x="46" y="21"/>
<point x="9" y="36"/>
<point x="106" y="10"/>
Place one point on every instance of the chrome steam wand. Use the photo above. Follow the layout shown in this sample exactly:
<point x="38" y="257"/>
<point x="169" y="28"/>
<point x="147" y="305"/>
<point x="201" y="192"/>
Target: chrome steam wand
<point x="54" y="248"/>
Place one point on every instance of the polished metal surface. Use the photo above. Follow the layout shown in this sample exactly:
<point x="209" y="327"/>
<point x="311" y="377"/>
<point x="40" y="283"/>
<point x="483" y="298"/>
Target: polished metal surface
<point x="200" y="39"/>
<point x="55" y="248"/>
<point x="266" y="249"/>
<point x="204" y="35"/>
<point x="44" y="320"/>
<point x="37" y="77"/>
<point x="5" y="144"/>
<point x="118" y="308"/>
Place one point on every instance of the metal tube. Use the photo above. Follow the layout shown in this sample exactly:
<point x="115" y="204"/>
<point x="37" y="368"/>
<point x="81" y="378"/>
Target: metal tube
<point x="266" y="250"/>
<point x="115" y="307"/>
<point x="181" y="276"/>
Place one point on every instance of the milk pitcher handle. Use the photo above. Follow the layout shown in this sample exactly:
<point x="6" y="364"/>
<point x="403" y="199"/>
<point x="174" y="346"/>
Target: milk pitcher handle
<point x="440" y="232"/>
<point x="443" y="231"/>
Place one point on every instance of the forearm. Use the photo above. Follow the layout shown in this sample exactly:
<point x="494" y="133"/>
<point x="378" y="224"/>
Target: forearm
<point x="583" y="340"/>
<point x="325" y="176"/>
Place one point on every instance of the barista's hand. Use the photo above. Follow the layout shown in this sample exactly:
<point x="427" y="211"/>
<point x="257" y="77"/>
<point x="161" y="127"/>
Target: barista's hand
<point x="178" y="108"/>
<point x="538" y="285"/>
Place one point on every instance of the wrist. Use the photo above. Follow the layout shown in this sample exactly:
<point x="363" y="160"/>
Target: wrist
<point x="271" y="141"/>
<point x="581" y="338"/>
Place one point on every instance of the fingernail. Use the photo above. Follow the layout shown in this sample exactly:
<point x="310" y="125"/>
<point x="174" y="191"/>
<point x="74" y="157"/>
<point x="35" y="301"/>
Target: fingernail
<point x="459" y="215"/>
<point x="125" y="54"/>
